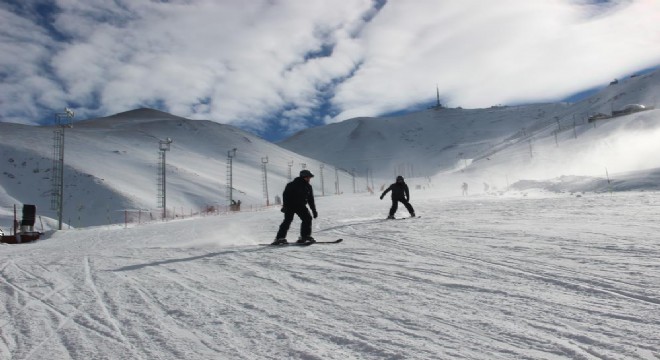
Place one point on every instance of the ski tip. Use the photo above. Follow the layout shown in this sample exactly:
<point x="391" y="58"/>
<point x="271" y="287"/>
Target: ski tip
<point x="328" y="242"/>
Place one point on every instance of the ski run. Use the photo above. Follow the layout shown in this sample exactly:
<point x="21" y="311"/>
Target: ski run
<point x="519" y="276"/>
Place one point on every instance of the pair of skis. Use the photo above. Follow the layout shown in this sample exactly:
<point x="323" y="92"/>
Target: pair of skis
<point x="324" y="242"/>
<point x="305" y="244"/>
<point x="403" y="218"/>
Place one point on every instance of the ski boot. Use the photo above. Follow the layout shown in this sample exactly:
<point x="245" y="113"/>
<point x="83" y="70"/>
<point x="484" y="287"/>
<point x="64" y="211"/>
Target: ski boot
<point x="391" y="217"/>
<point x="306" y="240"/>
<point x="280" y="241"/>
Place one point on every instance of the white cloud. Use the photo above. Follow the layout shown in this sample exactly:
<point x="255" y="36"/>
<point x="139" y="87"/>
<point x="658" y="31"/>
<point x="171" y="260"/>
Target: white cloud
<point x="23" y="81"/>
<point x="484" y="53"/>
<point x="243" y="62"/>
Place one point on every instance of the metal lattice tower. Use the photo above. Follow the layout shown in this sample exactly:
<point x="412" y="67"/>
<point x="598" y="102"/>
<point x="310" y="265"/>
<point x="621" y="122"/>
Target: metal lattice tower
<point x="264" y="170"/>
<point x="63" y="120"/>
<point x="322" y="183"/>
<point x="163" y="147"/>
<point x="161" y="180"/>
<point x="56" y="175"/>
<point x="370" y="179"/>
<point x="230" y="187"/>
<point x="290" y="163"/>
<point x="353" y="176"/>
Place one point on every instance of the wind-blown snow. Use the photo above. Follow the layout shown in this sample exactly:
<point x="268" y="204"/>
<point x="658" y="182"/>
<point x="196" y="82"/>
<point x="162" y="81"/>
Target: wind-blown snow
<point x="537" y="276"/>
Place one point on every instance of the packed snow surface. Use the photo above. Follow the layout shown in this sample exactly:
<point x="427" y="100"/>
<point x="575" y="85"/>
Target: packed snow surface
<point x="539" y="276"/>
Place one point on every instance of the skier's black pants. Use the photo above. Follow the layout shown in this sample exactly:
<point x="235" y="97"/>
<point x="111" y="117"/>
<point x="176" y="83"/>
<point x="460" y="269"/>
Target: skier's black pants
<point x="395" y="205"/>
<point x="305" y="227"/>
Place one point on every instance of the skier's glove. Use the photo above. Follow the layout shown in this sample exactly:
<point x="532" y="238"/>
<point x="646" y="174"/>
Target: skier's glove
<point x="283" y="209"/>
<point x="315" y="214"/>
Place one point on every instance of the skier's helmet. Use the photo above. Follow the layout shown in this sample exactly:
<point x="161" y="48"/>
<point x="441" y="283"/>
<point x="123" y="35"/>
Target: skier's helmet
<point x="306" y="173"/>
<point x="399" y="178"/>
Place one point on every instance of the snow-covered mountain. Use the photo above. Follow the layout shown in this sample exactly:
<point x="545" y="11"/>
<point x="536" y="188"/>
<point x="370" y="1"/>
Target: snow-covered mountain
<point x="111" y="163"/>
<point x="537" y="141"/>
<point x="521" y="274"/>
<point x="417" y="144"/>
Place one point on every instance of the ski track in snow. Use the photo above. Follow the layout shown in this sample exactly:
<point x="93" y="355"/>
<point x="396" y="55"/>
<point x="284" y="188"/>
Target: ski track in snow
<point x="554" y="277"/>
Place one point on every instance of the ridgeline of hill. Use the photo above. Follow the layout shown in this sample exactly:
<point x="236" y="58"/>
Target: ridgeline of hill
<point x="111" y="163"/>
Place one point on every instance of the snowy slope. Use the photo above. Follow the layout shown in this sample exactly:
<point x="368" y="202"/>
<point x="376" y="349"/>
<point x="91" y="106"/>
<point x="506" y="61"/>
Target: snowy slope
<point x="536" y="277"/>
<point x="570" y="273"/>
<point x="111" y="162"/>
<point x="417" y="144"/>
<point x="111" y="165"/>
<point x="449" y="140"/>
<point x="616" y="148"/>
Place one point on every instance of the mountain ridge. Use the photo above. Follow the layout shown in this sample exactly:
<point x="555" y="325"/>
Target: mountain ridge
<point x="439" y="139"/>
<point x="111" y="162"/>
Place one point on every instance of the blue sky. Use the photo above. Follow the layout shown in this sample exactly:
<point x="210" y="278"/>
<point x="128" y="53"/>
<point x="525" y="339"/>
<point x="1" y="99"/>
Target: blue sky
<point x="278" y="66"/>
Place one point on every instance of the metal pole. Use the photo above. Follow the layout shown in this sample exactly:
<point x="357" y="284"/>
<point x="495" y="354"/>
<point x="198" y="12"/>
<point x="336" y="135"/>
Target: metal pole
<point x="231" y="180"/>
<point x="60" y="209"/>
<point x="230" y="154"/>
<point x="164" y="174"/>
<point x="290" y="164"/>
<point x="163" y="146"/>
<point x="353" y="176"/>
<point x="58" y="189"/>
<point x="372" y="180"/>
<point x="264" y="161"/>
<point x="322" y="183"/>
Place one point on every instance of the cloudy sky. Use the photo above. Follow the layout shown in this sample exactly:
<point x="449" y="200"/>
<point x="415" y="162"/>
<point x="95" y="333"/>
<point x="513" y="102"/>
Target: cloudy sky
<point x="278" y="66"/>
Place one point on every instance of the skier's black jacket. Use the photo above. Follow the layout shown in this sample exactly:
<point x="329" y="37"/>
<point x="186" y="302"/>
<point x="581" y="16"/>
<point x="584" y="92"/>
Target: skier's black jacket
<point x="297" y="194"/>
<point x="399" y="191"/>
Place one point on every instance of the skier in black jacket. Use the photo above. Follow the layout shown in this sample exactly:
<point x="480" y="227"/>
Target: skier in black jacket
<point x="400" y="193"/>
<point x="297" y="195"/>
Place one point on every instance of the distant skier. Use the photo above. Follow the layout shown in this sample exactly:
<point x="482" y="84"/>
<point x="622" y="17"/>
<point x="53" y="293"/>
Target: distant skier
<point x="465" y="189"/>
<point x="297" y="195"/>
<point x="400" y="193"/>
